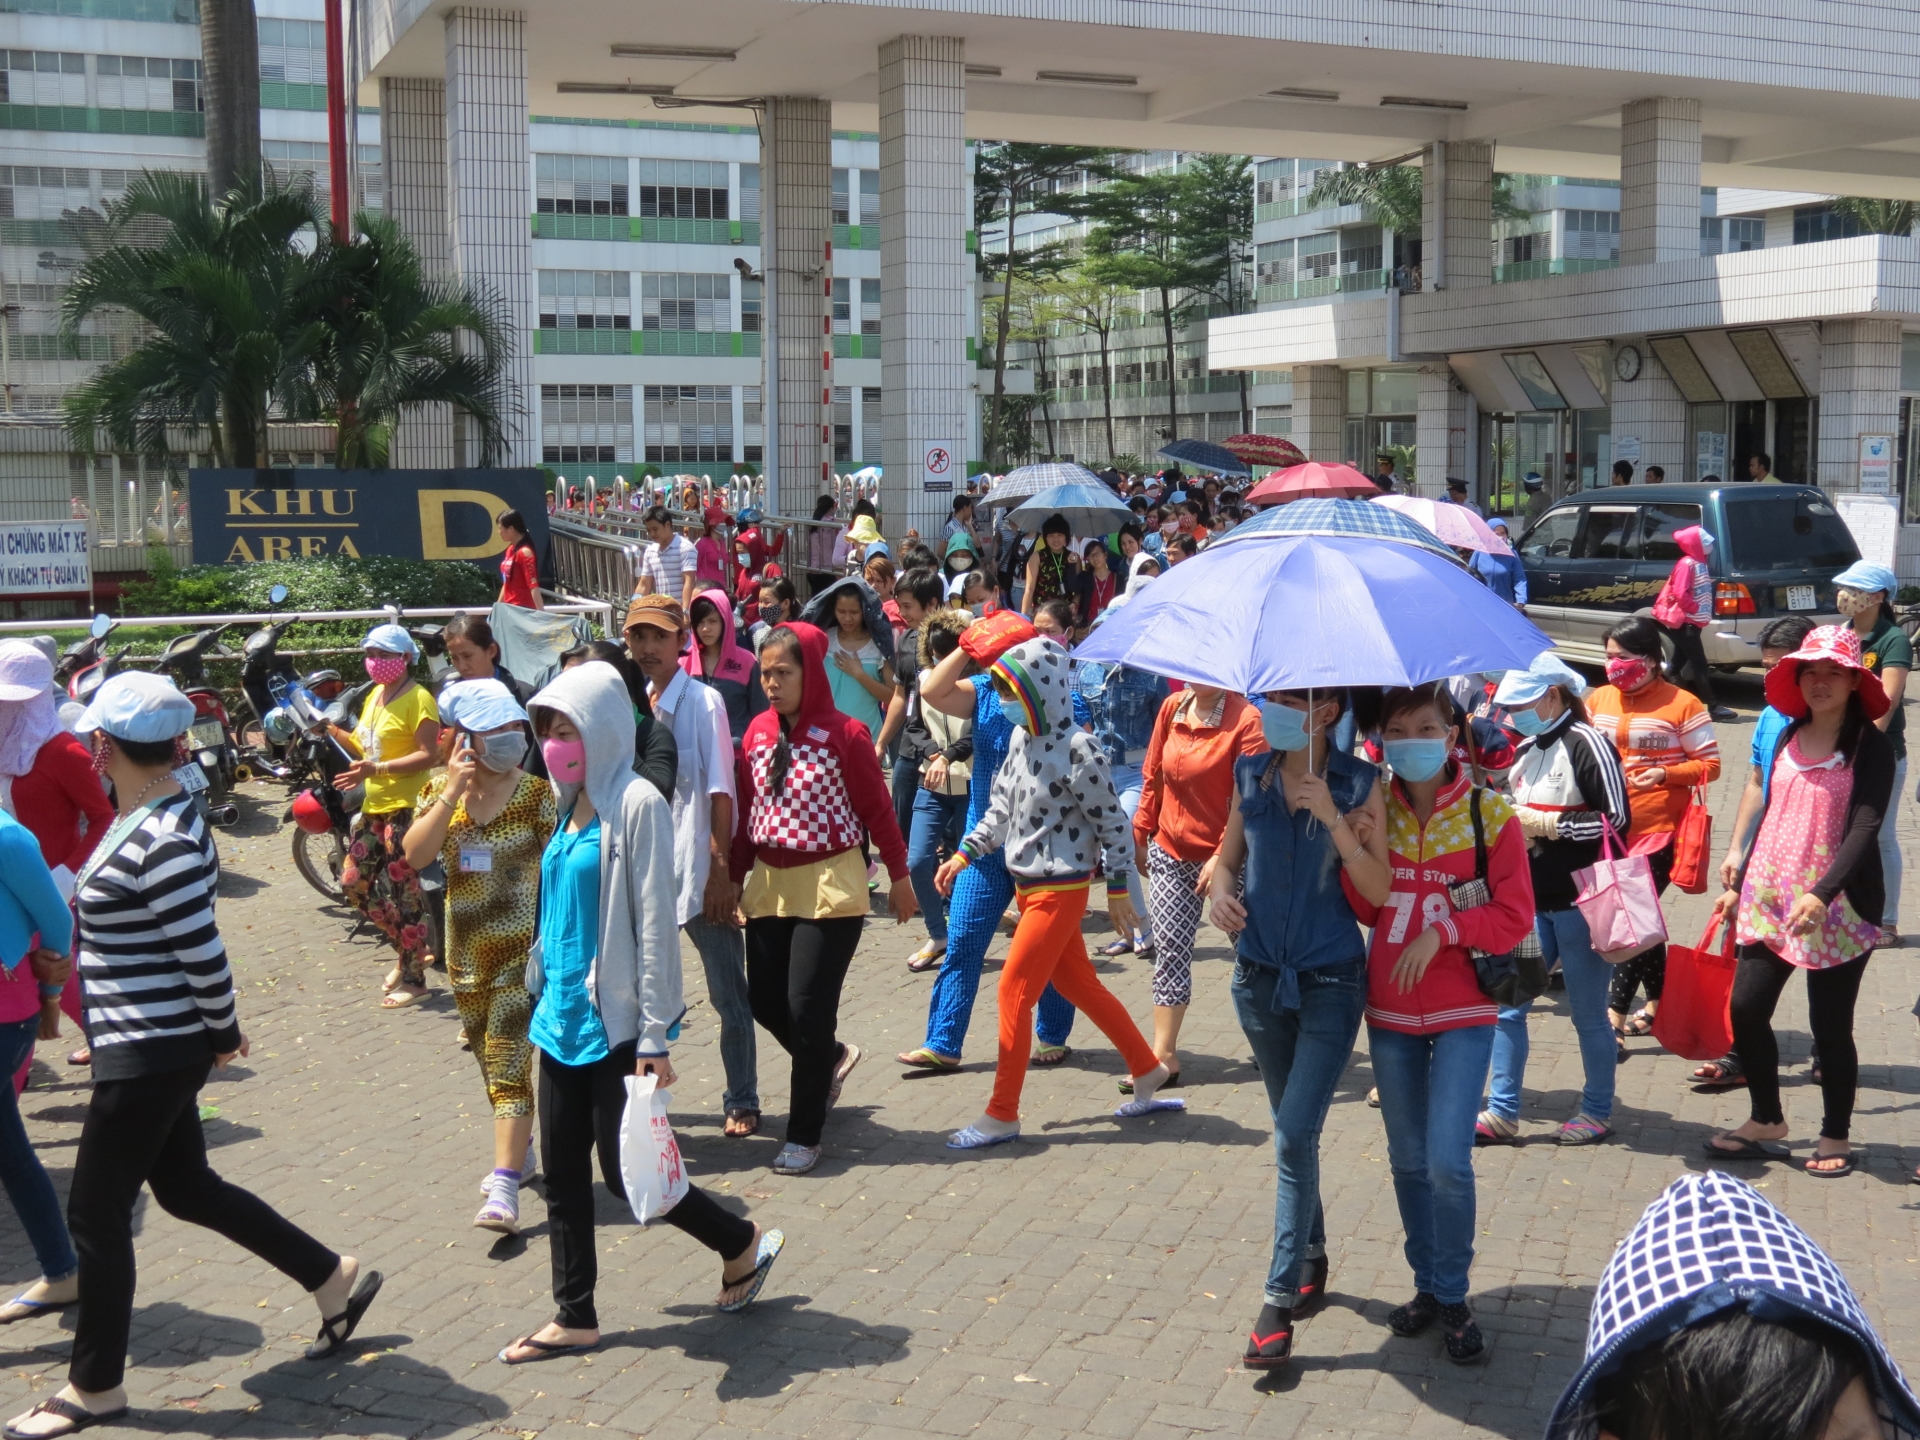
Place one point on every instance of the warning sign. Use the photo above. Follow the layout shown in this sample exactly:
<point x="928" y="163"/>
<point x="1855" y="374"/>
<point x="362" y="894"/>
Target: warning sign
<point x="939" y="460"/>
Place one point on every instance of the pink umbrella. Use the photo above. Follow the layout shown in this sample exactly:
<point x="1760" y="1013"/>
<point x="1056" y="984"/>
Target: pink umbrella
<point x="1312" y="481"/>
<point x="1264" y="450"/>
<point x="1454" y="524"/>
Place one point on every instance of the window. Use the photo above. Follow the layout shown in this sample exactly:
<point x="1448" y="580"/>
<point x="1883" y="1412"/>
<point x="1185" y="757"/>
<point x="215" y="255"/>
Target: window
<point x="1746" y="232"/>
<point x="1609" y="532"/>
<point x="133" y="82"/>
<point x="585" y="300"/>
<point x="590" y="424"/>
<point x="686" y="302"/>
<point x="1552" y="538"/>
<point x="750" y="423"/>
<point x="40" y="193"/>
<point x="1319" y="255"/>
<point x="1273" y="263"/>
<point x="45" y="77"/>
<point x="683" y="189"/>
<point x="869" y="197"/>
<point x="1272" y="182"/>
<point x="1795" y="531"/>
<point x="872" y="426"/>
<point x="1360" y="249"/>
<point x="1591" y="235"/>
<point x="1813" y="223"/>
<point x="1657" y="526"/>
<point x="290" y="159"/>
<point x="842" y="422"/>
<point x="372" y="192"/>
<point x="845" y="320"/>
<point x="749" y="192"/>
<point x="1519" y="248"/>
<point x="689" y="422"/>
<point x="293" y="51"/>
<point x="856" y="196"/>
<point x="580" y="184"/>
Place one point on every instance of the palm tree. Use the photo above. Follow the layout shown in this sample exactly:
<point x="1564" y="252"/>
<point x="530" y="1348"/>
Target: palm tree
<point x="230" y="87"/>
<point x="1391" y="196"/>
<point x="1878" y="217"/>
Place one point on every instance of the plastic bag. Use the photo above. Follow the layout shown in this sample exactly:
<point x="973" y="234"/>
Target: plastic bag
<point x="1616" y="894"/>
<point x="650" y="1164"/>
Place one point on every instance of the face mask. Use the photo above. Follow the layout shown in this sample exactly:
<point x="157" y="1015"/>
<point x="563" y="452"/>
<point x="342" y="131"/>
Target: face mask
<point x="385" y="669"/>
<point x="1015" y="712"/>
<point x="1629" y="672"/>
<point x="500" y="753"/>
<point x="1852" y="602"/>
<point x="1416" y="760"/>
<point x="1528" y="722"/>
<point x="773" y="613"/>
<point x="566" y="760"/>
<point x="1170" y="528"/>
<point x="1284" y="726"/>
<point x="102" y="753"/>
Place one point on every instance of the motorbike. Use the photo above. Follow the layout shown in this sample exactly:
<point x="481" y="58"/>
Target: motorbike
<point x="264" y="678"/>
<point x="85" y="663"/>
<point x="323" y="814"/>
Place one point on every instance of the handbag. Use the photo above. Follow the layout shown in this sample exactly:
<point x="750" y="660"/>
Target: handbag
<point x="1518" y="975"/>
<point x="1692" y="1021"/>
<point x="1693" y="848"/>
<point x="650" y="1164"/>
<point x="1617" y="898"/>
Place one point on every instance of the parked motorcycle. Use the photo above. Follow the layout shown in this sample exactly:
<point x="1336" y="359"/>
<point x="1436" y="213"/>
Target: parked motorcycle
<point x="264" y="678"/>
<point x="211" y="738"/>
<point x="323" y="814"/>
<point x="82" y="666"/>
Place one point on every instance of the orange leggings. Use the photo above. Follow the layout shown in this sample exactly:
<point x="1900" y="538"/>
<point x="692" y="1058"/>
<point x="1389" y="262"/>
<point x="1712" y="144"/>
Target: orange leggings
<point x="1047" y="947"/>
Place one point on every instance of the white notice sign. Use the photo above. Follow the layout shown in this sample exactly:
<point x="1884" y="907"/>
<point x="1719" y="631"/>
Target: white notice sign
<point x="939" y="461"/>
<point x="1627" y="447"/>
<point x="44" y="557"/>
<point x="1876" y="465"/>
<point x="1875" y="523"/>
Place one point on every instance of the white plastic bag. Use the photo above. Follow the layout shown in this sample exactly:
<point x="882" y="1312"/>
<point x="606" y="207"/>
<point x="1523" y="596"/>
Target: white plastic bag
<point x="650" y="1165"/>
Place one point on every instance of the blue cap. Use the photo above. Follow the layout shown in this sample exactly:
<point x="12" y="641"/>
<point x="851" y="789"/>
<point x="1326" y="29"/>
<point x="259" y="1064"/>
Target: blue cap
<point x="137" y="706"/>
<point x="1520" y="688"/>
<point x="392" y="638"/>
<point x="1864" y="575"/>
<point x="479" y="705"/>
<point x="1178" y="497"/>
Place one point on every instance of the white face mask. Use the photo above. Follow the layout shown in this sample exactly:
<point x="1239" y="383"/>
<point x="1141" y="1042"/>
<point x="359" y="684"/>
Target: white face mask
<point x="1853" y="602"/>
<point x="500" y="753"/>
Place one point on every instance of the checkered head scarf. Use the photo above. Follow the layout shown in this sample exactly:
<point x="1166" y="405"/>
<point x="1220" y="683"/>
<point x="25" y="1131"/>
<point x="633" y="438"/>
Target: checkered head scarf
<point x="1708" y="1244"/>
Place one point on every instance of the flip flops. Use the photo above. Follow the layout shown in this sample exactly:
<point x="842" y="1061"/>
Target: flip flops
<point x="1045" y="1055"/>
<point x="77" y="1419"/>
<point x="928" y="957"/>
<point x="925" y="1059"/>
<point x="1172" y="1080"/>
<point x="1838" y="1172"/>
<point x="21" y="1308"/>
<point x="337" y="1331"/>
<point x="1747" y="1149"/>
<point x="543" y="1350"/>
<point x="771" y="1243"/>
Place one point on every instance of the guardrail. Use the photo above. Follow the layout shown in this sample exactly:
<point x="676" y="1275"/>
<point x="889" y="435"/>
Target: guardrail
<point x="563" y="603"/>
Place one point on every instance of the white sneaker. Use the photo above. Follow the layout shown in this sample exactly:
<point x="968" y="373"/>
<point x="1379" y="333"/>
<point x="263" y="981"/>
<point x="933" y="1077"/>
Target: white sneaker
<point x="796" y="1159"/>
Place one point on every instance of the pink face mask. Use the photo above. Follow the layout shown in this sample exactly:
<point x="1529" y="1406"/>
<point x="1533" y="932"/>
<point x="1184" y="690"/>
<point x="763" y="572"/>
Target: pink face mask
<point x="386" y="669"/>
<point x="1629" y="672"/>
<point x="566" y="760"/>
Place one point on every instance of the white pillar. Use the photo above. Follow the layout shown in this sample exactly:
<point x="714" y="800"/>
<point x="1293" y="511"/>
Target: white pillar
<point x="1456" y="228"/>
<point x="925" y="386"/>
<point x="796" y="250"/>
<point x="1440" y="434"/>
<point x="1319" y="410"/>
<point x="413" y="157"/>
<point x="1659" y="181"/>
<point x="489" y="195"/>
<point x="1859" y="394"/>
<point x="1651" y="409"/>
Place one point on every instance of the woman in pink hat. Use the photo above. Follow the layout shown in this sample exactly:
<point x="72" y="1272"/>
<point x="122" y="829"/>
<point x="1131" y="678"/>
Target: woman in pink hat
<point x="1809" y="895"/>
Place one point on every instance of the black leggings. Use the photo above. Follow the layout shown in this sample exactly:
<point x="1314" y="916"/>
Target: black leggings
<point x="1830" y="995"/>
<point x="1690" y="670"/>
<point x="795" y="969"/>
<point x="580" y="1109"/>
<point x="147" y="1131"/>
<point x="1649" y="967"/>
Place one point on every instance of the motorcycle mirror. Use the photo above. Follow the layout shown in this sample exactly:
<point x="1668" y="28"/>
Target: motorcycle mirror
<point x="102" y="623"/>
<point x="277" y="595"/>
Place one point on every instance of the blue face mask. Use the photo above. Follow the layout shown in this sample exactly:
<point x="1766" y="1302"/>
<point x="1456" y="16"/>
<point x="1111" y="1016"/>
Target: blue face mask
<point x="1528" y="722"/>
<point x="1015" y="712"/>
<point x="1284" y="726"/>
<point x="1416" y="759"/>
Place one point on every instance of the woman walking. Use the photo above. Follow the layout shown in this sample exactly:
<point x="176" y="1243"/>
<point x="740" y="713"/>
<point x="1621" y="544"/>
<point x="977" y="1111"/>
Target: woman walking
<point x="859" y="649"/>
<point x="1863" y="592"/>
<point x="810" y="782"/>
<point x="719" y="661"/>
<point x="1665" y="740"/>
<point x="1567" y="786"/>
<point x="519" y="566"/>
<point x="1683" y="608"/>
<point x="1300" y="810"/>
<point x="398" y="736"/>
<point x="1052" y="571"/>
<point x="160" y="1015"/>
<point x="826" y="546"/>
<point x="1429" y="1026"/>
<point x="1186" y="795"/>
<point x="488" y="821"/>
<point x="1809" y="890"/>
<point x="606" y="979"/>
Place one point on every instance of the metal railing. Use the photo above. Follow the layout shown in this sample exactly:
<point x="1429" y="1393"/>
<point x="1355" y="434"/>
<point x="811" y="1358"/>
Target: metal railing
<point x="563" y="602"/>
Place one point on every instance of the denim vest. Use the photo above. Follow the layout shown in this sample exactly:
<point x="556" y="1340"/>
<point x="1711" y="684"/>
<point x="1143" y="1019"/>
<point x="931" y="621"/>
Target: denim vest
<point x="1298" y="917"/>
<point x="1122" y="705"/>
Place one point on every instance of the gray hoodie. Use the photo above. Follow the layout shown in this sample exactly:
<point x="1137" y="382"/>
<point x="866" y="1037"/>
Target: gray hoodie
<point x="635" y="979"/>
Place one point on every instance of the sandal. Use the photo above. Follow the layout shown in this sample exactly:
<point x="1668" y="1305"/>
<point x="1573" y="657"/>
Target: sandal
<point x="1416" y="1315"/>
<point x="1717" y="1075"/>
<point x="21" y="1308"/>
<point x="1313" y="1288"/>
<point x="1744" y="1149"/>
<point x="1492" y="1129"/>
<point x="77" y="1417"/>
<point x="928" y="957"/>
<point x="1051" y="1055"/>
<point x="741" y="1123"/>
<point x="771" y="1242"/>
<point x="1830" y="1171"/>
<point x="544" y="1349"/>
<point x="850" y="1054"/>
<point x="82" y="1056"/>
<point x="1173" y="1079"/>
<point x="974" y="1138"/>
<point x="1118" y="947"/>
<point x="925" y="1059"/>
<point x="795" y="1159"/>
<point x="1585" y="1130"/>
<point x="1640" y="1024"/>
<point x="336" y="1332"/>
<point x="401" y="999"/>
<point x="1466" y="1345"/>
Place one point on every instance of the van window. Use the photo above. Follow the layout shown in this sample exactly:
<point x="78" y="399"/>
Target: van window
<point x="1552" y="538"/>
<point x="1795" y="531"/>
<point x="1610" y="533"/>
<point x="1657" y="526"/>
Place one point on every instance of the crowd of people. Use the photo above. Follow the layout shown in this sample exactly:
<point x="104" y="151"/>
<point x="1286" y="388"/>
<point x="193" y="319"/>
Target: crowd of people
<point x="762" y="770"/>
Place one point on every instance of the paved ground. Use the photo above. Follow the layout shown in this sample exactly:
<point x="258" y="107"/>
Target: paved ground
<point x="1096" y="1279"/>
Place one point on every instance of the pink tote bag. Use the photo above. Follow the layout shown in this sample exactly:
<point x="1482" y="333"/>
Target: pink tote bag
<point x="1618" y="899"/>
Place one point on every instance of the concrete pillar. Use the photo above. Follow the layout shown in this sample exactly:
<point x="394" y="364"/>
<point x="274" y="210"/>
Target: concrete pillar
<point x="1659" y="181"/>
<point x="1652" y="410"/>
<point x="413" y="155"/>
<point x="1859" y="394"/>
<point x="1456" y="226"/>
<point x="1442" y="422"/>
<point x="1319" y="410"/>
<point x="796" y="250"/>
<point x="925" y="381"/>
<point x="489" y="191"/>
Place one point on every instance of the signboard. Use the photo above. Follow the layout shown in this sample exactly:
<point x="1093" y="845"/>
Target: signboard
<point x="1876" y="465"/>
<point x="939" y="461"/>
<point x="44" y="557"/>
<point x="1627" y="447"/>
<point x="1709" y="454"/>
<point x="1875" y="523"/>
<point x="244" y="517"/>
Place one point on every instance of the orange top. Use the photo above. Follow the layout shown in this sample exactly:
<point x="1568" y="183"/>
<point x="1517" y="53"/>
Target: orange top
<point x="1662" y="725"/>
<point x="1186" y="781"/>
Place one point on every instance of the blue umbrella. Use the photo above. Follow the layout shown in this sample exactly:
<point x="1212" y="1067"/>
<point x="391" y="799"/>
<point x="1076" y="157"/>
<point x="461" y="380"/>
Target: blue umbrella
<point x="1089" y="509"/>
<point x="1207" y="456"/>
<point x="1359" y="518"/>
<point x="1315" y="612"/>
<point x="1032" y="479"/>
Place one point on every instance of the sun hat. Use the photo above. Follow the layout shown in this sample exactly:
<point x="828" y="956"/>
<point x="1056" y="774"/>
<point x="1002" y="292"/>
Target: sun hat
<point x="716" y="515"/>
<point x="25" y="672"/>
<point x="863" y="531"/>
<point x="479" y="705"/>
<point x="392" y="638"/>
<point x="1865" y="576"/>
<point x="1520" y="688"/>
<point x="138" y="706"/>
<point x="662" y="612"/>
<point x="1839" y="644"/>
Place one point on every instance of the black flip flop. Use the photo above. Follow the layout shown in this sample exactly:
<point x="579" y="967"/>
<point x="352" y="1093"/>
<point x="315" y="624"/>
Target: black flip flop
<point x="1172" y="1082"/>
<point x="77" y="1418"/>
<point x="544" y="1350"/>
<point x="1747" y="1150"/>
<point x="336" y="1332"/>
<point x="1838" y="1174"/>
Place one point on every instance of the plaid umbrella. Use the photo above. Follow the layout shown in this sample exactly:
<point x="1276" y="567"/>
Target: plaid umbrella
<point x="1264" y="450"/>
<point x="1206" y="456"/>
<point x="1313" y="480"/>
<point x="1032" y="479"/>
<point x="1334" y="517"/>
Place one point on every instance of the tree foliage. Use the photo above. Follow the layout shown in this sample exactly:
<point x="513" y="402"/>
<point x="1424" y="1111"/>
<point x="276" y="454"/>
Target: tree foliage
<point x="1390" y="196"/>
<point x="1878" y="217"/>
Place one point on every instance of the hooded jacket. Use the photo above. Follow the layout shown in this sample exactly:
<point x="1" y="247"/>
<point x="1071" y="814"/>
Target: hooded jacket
<point x="1687" y="597"/>
<point x="736" y="676"/>
<point x="833" y="785"/>
<point x="635" y="978"/>
<point x="1053" y="809"/>
<point x="1708" y="1244"/>
<point x="818" y="612"/>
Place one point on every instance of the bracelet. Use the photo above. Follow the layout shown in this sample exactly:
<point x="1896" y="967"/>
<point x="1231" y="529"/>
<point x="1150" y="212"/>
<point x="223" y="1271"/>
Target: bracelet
<point x="1358" y="851"/>
<point x="51" y="992"/>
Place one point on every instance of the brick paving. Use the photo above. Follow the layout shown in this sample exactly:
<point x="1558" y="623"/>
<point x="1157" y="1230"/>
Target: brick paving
<point x="1095" y="1279"/>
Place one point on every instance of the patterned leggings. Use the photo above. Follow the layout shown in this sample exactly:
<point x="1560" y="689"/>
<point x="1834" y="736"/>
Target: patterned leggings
<point x="384" y="888"/>
<point x="1176" y="920"/>
<point x="496" y="1018"/>
<point x="980" y="897"/>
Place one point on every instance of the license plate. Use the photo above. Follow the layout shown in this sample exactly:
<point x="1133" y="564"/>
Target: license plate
<point x="1800" y="597"/>
<point x="192" y="778"/>
<point x="207" y="735"/>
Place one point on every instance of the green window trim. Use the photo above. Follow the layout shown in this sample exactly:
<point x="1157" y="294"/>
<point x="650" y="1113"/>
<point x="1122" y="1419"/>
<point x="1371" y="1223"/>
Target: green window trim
<point x="716" y="344"/>
<point x="87" y="120"/>
<point x="856" y="237"/>
<point x="648" y="230"/>
<point x="159" y="12"/>
<point x="856" y="347"/>
<point x="284" y="95"/>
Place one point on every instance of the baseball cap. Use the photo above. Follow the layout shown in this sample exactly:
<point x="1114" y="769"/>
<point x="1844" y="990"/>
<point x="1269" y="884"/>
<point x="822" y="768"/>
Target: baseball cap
<point x="139" y="706"/>
<point x="662" y="612"/>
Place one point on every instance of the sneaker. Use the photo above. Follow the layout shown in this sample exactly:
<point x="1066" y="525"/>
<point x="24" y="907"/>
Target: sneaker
<point x="1491" y="1129"/>
<point x="1723" y="715"/>
<point x="795" y="1159"/>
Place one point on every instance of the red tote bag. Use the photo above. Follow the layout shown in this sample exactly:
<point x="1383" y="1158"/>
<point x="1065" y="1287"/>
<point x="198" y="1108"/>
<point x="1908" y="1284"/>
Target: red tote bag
<point x="1692" y="1019"/>
<point x="1693" y="848"/>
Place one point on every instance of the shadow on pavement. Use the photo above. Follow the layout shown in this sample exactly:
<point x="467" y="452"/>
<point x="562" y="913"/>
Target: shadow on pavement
<point x="765" y="1347"/>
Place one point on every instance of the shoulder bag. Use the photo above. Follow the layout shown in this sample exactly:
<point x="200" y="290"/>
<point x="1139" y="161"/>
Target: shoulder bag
<point x="1520" y="974"/>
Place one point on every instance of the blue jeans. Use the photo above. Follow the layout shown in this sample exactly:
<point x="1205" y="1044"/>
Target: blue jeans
<point x="936" y="821"/>
<point x="723" y="955"/>
<point x="1890" y="863"/>
<point x="1563" y="936"/>
<point x="1430" y="1088"/>
<point x="34" y="1198"/>
<point x="1302" y="1054"/>
<point x="980" y="897"/>
<point x="1126" y="784"/>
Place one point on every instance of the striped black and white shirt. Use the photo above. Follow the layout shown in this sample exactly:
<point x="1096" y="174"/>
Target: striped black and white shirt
<point x="159" y="995"/>
<point x="1573" y="773"/>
